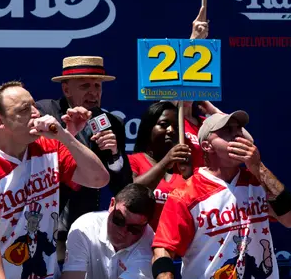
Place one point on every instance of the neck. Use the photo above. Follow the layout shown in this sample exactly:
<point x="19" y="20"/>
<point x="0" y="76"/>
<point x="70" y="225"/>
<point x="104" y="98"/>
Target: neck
<point x="12" y="148"/>
<point x="226" y="174"/>
<point x="157" y="156"/>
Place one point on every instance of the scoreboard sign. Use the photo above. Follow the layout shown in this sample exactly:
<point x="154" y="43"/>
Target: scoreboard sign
<point x="179" y="69"/>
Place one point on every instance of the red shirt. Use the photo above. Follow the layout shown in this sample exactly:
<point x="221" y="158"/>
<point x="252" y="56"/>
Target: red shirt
<point x="191" y="133"/>
<point x="140" y="165"/>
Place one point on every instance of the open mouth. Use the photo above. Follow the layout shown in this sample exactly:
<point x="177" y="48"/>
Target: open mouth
<point x="91" y="103"/>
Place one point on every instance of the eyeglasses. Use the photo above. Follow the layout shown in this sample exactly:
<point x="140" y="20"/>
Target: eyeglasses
<point x="119" y="220"/>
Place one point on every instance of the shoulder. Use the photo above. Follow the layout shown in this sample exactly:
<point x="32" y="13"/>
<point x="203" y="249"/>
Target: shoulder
<point x="48" y="103"/>
<point x="136" y="156"/>
<point x="144" y="245"/>
<point x="42" y="146"/>
<point x="90" y="221"/>
<point x="247" y="178"/>
<point x="113" y="117"/>
<point x="196" y="189"/>
<point x="115" y="120"/>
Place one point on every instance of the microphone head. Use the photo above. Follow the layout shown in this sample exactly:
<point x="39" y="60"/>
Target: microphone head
<point x="99" y="123"/>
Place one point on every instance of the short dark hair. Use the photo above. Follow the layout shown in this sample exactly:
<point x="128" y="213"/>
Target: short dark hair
<point x="4" y="86"/>
<point x="138" y="199"/>
<point x="148" y="121"/>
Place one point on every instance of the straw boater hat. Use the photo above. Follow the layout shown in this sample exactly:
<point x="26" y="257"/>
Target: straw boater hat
<point x="83" y="67"/>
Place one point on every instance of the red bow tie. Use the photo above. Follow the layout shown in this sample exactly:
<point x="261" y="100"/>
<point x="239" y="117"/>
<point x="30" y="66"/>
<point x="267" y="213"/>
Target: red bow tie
<point x="241" y="263"/>
<point x="30" y="240"/>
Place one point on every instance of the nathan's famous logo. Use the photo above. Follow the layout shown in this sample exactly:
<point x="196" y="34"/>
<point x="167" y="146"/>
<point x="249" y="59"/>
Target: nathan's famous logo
<point x="39" y="185"/>
<point x="214" y="219"/>
<point x="267" y="9"/>
<point x="158" y="93"/>
<point x="72" y="9"/>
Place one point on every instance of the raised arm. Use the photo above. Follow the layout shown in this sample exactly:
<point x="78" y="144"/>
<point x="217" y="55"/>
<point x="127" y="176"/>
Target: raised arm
<point x="89" y="171"/>
<point x="200" y="24"/>
<point x="178" y="154"/>
<point x="279" y="197"/>
<point x="2" y="275"/>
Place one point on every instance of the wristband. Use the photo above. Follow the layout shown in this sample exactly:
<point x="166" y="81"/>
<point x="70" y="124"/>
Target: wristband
<point x="282" y="204"/>
<point x="162" y="265"/>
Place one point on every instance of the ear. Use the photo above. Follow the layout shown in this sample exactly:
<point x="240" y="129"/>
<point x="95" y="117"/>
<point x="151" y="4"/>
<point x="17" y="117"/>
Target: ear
<point x="2" y="126"/>
<point x="65" y="88"/>
<point x="111" y="205"/>
<point x="207" y="146"/>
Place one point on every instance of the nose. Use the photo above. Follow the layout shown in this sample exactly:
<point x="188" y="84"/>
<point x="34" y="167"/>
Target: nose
<point x="95" y="91"/>
<point x="35" y="112"/>
<point x="170" y="129"/>
<point x="238" y="133"/>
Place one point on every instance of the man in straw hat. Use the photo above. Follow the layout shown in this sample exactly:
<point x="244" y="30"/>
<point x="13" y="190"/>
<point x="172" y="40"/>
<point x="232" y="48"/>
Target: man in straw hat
<point x="36" y="155"/>
<point x="81" y="82"/>
<point x="216" y="203"/>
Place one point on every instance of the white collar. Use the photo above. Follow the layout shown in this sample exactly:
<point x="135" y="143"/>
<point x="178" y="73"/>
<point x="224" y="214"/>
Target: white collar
<point x="12" y="159"/>
<point x="217" y="180"/>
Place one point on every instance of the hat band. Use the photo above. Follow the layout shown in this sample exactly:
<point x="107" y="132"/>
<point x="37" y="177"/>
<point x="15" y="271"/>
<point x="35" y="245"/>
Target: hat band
<point x="81" y="70"/>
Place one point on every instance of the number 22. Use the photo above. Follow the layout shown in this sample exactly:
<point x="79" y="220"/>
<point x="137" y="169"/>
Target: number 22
<point x="160" y="72"/>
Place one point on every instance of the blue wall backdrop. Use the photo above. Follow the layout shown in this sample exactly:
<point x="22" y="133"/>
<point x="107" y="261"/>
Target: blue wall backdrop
<point x="36" y="35"/>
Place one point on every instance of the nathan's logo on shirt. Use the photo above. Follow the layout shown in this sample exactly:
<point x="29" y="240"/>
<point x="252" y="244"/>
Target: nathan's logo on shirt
<point x="121" y="265"/>
<point x="37" y="184"/>
<point x="160" y="196"/>
<point x="267" y="9"/>
<point x="49" y="36"/>
<point x="214" y="219"/>
<point x="192" y="138"/>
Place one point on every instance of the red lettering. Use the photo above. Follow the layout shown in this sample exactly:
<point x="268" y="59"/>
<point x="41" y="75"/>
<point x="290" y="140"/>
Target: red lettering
<point x="37" y="185"/>
<point x="93" y="125"/>
<point x="20" y="196"/>
<point x="7" y="204"/>
<point x="9" y="200"/>
<point x="55" y="177"/>
<point x="215" y="217"/>
<point x="102" y="121"/>
<point x="208" y="215"/>
<point x="226" y="217"/>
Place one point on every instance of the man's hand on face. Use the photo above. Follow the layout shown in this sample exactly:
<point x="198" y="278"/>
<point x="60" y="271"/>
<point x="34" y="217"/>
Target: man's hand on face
<point x="106" y="140"/>
<point x="246" y="152"/>
<point x="200" y="24"/>
<point x="76" y="119"/>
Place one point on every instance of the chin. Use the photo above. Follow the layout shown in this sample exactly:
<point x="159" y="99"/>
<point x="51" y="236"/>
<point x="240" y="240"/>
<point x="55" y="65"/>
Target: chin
<point x="91" y="105"/>
<point x="235" y="163"/>
<point x="30" y="139"/>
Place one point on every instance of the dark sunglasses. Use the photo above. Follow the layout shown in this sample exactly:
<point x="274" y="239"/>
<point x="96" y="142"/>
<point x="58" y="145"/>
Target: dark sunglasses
<point x="119" y="220"/>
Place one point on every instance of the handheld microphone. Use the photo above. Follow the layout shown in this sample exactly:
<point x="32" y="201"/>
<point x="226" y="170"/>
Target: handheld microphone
<point x="98" y="124"/>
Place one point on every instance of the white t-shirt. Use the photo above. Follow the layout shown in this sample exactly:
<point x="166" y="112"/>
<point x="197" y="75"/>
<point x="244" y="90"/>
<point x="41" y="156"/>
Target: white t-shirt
<point x="89" y="250"/>
<point x="29" y="208"/>
<point x="221" y="230"/>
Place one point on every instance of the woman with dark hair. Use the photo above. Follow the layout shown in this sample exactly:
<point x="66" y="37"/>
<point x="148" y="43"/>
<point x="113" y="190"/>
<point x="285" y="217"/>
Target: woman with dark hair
<point x="159" y="162"/>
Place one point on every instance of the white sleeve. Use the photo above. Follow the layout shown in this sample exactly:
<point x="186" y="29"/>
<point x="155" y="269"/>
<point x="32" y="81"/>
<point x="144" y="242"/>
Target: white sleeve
<point x="117" y="165"/>
<point x="140" y="269"/>
<point x="77" y="253"/>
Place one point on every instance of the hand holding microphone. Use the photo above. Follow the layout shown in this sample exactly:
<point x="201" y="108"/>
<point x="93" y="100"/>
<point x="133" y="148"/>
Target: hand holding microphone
<point x="104" y="138"/>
